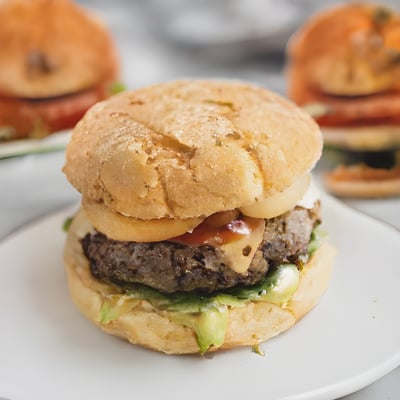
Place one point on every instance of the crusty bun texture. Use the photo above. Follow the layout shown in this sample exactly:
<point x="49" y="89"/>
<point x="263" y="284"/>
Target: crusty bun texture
<point x="346" y="50"/>
<point x="145" y="325"/>
<point x="345" y="59"/>
<point x="51" y="48"/>
<point x="188" y="149"/>
<point x="56" y="61"/>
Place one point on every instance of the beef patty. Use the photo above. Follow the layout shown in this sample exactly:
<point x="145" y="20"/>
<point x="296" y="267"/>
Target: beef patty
<point x="170" y="267"/>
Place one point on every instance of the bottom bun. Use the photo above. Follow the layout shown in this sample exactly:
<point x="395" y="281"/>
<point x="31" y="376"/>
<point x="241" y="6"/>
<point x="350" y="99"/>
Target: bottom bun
<point x="360" y="181"/>
<point x="147" y="326"/>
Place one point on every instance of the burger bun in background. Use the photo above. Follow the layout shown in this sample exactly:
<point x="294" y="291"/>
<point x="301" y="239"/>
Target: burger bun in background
<point x="56" y="61"/>
<point x="344" y="59"/>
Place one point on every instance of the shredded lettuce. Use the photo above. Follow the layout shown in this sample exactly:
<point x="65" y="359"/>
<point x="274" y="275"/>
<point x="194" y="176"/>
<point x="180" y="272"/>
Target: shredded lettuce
<point x="256" y="349"/>
<point x="117" y="87"/>
<point x="67" y="224"/>
<point x="318" y="236"/>
<point x="116" y="305"/>
<point x="207" y="314"/>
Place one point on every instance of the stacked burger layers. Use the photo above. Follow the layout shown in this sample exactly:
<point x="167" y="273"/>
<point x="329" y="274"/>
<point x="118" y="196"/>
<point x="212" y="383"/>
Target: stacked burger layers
<point x="346" y="60"/>
<point x="56" y="61"/>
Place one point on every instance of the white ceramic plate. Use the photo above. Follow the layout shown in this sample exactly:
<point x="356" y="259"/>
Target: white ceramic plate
<point x="49" y="351"/>
<point x="54" y="142"/>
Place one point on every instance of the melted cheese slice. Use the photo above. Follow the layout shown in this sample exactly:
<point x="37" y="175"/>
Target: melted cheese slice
<point x="238" y="254"/>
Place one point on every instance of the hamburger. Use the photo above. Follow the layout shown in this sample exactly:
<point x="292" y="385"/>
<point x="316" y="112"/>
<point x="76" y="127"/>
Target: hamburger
<point x="56" y="61"/>
<point x="346" y="61"/>
<point x="198" y="227"/>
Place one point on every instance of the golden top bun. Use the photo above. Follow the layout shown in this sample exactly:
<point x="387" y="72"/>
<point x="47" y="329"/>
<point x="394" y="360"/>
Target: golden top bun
<point x="190" y="148"/>
<point x="51" y="48"/>
<point x="350" y="49"/>
<point x="152" y="328"/>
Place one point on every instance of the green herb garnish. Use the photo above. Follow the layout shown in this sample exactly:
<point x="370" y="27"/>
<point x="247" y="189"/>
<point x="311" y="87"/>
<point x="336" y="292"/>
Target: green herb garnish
<point x="117" y="87"/>
<point x="67" y="223"/>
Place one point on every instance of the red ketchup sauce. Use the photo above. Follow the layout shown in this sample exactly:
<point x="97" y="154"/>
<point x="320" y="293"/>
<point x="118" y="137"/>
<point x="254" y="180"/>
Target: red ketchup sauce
<point x="216" y="236"/>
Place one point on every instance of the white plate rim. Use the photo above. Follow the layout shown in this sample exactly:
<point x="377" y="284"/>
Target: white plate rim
<point x="345" y="387"/>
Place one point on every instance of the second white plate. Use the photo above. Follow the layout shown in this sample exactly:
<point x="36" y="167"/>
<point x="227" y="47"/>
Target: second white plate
<point x="54" y="142"/>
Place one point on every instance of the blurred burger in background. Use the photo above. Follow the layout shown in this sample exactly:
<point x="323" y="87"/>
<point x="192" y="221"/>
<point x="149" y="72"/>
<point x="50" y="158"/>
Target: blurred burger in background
<point x="56" y="61"/>
<point x="344" y="65"/>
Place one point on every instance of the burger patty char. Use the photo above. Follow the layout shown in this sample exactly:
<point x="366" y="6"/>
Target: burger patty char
<point x="170" y="267"/>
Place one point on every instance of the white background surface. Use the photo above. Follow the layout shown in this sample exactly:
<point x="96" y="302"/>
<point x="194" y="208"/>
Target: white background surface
<point x="32" y="186"/>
